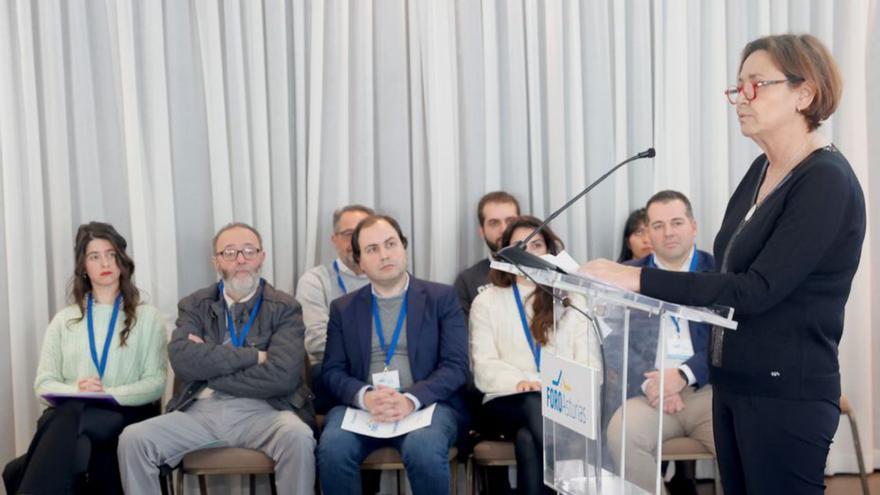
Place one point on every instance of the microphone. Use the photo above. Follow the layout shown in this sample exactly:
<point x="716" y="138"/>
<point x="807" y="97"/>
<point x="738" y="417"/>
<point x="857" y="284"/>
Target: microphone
<point x="517" y="254"/>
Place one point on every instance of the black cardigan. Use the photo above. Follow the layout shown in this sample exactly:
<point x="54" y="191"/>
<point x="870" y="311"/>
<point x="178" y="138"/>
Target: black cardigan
<point x="789" y="274"/>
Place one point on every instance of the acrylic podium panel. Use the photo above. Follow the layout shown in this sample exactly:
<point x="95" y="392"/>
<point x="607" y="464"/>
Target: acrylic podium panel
<point x="604" y="334"/>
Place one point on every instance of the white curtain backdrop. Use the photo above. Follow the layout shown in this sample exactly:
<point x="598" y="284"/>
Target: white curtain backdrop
<point x="170" y="119"/>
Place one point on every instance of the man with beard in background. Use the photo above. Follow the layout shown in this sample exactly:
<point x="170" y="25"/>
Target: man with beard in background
<point x="494" y="212"/>
<point x="238" y="351"/>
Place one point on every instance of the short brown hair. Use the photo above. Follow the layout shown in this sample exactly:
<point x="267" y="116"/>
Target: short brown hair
<point x="368" y="221"/>
<point x="667" y="196"/>
<point x="494" y="197"/>
<point x="802" y="57"/>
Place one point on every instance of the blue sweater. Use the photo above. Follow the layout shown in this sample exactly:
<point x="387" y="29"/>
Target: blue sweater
<point x="787" y="274"/>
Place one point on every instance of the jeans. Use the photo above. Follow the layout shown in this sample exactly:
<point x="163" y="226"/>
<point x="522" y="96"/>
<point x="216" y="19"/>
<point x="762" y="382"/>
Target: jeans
<point x="424" y="452"/>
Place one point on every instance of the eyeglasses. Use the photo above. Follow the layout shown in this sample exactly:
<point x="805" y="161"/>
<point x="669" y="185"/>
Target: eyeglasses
<point x="230" y="254"/>
<point x="750" y="89"/>
<point x="346" y="233"/>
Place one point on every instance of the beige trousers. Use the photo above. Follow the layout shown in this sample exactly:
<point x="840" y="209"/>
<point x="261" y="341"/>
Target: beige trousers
<point x="694" y="421"/>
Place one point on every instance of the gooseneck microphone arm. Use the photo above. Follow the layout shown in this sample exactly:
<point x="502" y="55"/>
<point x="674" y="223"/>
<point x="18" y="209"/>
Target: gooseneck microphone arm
<point x="517" y="254"/>
<point x="648" y="153"/>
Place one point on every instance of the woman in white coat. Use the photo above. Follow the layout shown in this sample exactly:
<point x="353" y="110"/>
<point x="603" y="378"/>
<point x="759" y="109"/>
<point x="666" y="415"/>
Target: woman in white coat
<point x="511" y="325"/>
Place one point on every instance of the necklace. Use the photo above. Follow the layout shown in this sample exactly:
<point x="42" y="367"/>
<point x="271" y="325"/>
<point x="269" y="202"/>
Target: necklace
<point x="767" y="186"/>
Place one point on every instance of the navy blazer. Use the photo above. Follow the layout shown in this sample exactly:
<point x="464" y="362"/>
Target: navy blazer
<point x="437" y="344"/>
<point x="643" y="338"/>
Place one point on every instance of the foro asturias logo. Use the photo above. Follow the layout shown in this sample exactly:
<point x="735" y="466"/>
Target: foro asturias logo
<point x="559" y="400"/>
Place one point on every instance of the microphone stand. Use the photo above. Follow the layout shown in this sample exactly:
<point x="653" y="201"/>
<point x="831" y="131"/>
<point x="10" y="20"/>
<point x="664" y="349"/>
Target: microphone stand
<point x="516" y="254"/>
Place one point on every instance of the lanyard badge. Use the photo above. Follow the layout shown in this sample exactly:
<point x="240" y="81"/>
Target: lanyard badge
<point x="339" y="280"/>
<point x="691" y="268"/>
<point x="238" y="337"/>
<point x="677" y="347"/>
<point x="388" y="378"/>
<point x="535" y="347"/>
<point x="101" y="364"/>
<point x="377" y="321"/>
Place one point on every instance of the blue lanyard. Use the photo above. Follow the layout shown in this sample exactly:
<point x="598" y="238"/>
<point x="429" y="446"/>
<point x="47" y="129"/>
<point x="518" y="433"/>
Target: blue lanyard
<point x="238" y="338"/>
<point x="401" y="317"/>
<point x="102" y="363"/>
<point x="339" y="277"/>
<point x="691" y="268"/>
<point x="534" y="346"/>
<point x="677" y="326"/>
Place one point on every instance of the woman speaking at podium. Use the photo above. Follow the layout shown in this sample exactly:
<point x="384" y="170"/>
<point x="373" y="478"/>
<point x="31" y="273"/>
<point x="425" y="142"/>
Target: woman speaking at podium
<point x="786" y="254"/>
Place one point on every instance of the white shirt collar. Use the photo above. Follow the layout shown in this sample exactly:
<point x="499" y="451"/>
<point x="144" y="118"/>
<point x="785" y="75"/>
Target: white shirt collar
<point x="683" y="268"/>
<point x="405" y="288"/>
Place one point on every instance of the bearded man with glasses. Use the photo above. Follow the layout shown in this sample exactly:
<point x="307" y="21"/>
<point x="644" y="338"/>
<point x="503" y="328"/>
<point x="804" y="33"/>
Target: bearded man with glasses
<point x="238" y="349"/>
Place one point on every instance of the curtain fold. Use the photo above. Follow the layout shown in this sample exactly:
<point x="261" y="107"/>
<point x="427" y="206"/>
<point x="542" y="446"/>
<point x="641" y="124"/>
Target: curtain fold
<point x="171" y="119"/>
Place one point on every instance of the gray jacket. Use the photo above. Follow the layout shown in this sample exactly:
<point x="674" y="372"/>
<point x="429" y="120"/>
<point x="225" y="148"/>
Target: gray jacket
<point x="278" y="330"/>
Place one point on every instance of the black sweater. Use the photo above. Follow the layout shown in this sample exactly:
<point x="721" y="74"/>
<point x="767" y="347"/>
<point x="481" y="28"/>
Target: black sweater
<point x="788" y="276"/>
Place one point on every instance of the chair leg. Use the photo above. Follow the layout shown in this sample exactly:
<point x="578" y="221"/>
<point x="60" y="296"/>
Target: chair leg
<point x="272" y="484"/>
<point x="166" y="479"/>
<point x="453" y="475"/>
<point x="401" y="482"/>
<point x="180" y="476"/>
<point x="203" y="485"/>
<point x="469" y="476"/>
<point x="718" y="489"/>
<point x="858" y="445"/>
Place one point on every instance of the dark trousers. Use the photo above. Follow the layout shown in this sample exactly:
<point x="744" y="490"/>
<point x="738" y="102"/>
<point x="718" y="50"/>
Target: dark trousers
<point x="54" y="459"/>
<point x="771" y="446"/>
<point x="518" y="417"/>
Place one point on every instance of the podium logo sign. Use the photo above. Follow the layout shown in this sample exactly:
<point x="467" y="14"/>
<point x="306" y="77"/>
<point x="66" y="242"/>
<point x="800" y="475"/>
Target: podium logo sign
<point x="569" y="394"/>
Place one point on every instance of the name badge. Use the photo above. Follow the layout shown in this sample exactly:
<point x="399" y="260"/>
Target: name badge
<point x="387" y="378"/>
<point x="678" y="348"/>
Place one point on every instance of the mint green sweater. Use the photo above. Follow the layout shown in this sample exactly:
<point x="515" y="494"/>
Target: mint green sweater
<point x="135" y="374"/>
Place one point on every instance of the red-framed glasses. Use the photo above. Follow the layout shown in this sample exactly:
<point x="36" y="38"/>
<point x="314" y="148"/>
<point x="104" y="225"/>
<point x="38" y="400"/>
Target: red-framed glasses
<point x="750" y="89"/>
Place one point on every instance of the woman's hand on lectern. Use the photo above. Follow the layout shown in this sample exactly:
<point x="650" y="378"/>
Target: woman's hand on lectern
<point x="613" y="273"/>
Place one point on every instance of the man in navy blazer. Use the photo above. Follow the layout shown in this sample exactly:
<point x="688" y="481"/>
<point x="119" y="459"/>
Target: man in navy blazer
<point x="687" y="396"/>
<point x="395" y="346"/>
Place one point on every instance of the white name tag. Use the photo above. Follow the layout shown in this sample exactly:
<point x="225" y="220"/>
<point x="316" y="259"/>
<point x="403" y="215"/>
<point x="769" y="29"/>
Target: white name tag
<point x="677" y="347"/>
<point x="389" y="378"/>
